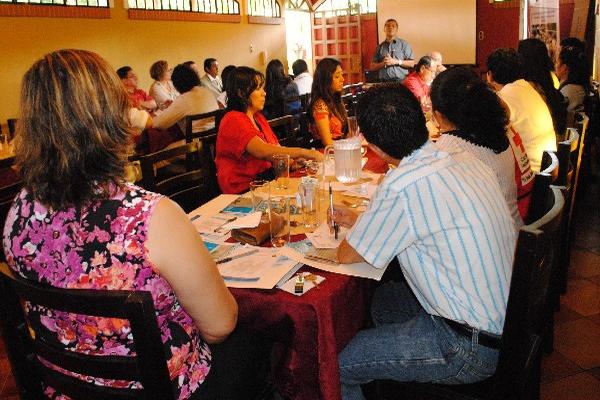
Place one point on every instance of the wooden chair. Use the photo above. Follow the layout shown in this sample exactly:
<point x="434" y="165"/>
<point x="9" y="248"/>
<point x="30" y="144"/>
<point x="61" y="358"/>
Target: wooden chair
<point x="8" y="191"/>
<point x="569" y="155"/>
<point x="25" y="342"/>
<point x="192" y="131"/>
<point x="518" y="370"/>
<point x="304" y="101"/>
<point x="540" y="192"/>
<point x="189" y="188"/>
<point x="284" y="129"/>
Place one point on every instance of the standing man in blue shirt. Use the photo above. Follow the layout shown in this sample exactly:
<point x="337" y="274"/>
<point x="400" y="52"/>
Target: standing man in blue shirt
<point x="394" y="56"/>
<point x="443" y="216"/>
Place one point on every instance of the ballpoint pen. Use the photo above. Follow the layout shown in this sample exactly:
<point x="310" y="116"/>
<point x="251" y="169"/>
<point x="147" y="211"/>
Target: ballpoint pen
<point x="227" y="259"/>
<point x="336" y="227"/>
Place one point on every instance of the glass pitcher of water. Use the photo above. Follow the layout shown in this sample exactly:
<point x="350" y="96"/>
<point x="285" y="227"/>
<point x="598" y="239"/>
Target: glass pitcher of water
<point x="346" y="155"/>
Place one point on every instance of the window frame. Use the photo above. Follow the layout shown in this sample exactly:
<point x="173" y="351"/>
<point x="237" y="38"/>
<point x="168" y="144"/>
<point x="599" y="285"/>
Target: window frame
<point x="17" y="9"/>
<point x="183" y="15"/>
<point x="261" y="19"/>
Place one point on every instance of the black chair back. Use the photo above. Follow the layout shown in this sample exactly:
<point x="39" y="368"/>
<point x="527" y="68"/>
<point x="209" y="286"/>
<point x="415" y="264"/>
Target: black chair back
<point x="304" y="102"/>
<point x="12" y="126"/>
<point x="209" y="120"/>
<point x="284" y="129"/>
<point x="26" y="342"/>
<point x="189" y="188"/>
<point x="8" y="192"/>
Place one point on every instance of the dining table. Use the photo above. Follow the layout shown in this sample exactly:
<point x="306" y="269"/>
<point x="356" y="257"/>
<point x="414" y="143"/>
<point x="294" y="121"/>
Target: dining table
<point x="309" y="331"/>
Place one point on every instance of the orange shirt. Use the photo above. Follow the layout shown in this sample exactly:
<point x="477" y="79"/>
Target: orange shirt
<point x="320" y="111"/>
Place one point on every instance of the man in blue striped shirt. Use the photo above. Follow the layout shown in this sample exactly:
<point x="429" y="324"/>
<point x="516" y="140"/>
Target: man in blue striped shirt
<point x="443" y="215"/>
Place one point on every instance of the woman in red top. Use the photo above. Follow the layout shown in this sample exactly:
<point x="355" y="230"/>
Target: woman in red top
<point x="327" y="112"/>
<point x="245" y="142"/>
<point x="419" y="81"/>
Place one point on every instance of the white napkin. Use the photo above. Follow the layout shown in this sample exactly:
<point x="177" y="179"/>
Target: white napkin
<point x="248" y="221"/>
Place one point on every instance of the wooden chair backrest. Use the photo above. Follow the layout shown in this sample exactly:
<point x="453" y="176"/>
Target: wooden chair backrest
<point x="26" y="342"/>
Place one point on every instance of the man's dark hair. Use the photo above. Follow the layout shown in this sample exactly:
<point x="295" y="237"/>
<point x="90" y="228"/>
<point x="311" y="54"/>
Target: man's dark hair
<point x="189" y="63"/>
<point x="240" y="84"/>
<point x="391" y="20"/>
<point x="123" y="71"/>
<point x="424" y="61"/>
<point x="470" y="104"/>
<point x="299" y="66"/>
<point x="506" y="65"/>
<point x="574" y="59"/>
<point x="208" y="63"/>
<point x="184" y="78"/>
<point x="390" y="117"/>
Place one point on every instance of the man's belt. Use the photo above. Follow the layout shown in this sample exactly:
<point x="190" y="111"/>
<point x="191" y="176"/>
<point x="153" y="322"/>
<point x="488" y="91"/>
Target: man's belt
<point x="485" y="339"/>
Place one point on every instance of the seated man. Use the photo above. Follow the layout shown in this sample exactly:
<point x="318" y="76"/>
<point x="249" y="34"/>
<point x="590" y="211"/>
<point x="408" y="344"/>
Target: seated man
<point x="211" y="80"/>
<point x="194" y="99"/>
<point x="137" y="97"/>
<point x="443" y="216"/>
<point x="436" y="56"/>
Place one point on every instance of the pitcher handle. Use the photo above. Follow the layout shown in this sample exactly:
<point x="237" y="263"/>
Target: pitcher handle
<point x="328" y="153"/>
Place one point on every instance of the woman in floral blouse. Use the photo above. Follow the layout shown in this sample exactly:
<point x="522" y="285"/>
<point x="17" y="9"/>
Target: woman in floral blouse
<point x="77" y="224"/>
<point x="327" y="112"/>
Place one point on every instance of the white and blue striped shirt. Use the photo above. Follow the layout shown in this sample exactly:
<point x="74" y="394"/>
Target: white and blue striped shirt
<point x="443" y="215"/>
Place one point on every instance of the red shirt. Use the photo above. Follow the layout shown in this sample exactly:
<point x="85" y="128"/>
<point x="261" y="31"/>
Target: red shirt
<point x="137" y="97"/>
<point x="416" y="85"/>
<point x="235" y="167"/>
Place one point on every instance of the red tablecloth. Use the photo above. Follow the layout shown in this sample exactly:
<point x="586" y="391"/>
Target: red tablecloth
<point x="312" y="328"/>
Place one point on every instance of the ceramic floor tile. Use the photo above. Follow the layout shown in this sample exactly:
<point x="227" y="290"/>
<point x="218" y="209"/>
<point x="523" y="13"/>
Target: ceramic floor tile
<point x="565" y="314"/>
<point x="585" y="264"/>
<point x="595" y="373"/>
<point x="576" y="387"/>
<point x="595" y="319"/>
<point x="587" y="238"/>
<point x="579" y="341"/>
<point x="595" y="279"/>
<point x="556" y="366"/>
<point x="583" y="297"/>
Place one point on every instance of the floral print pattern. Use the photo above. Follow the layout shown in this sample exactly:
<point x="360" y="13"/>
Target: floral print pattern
<point x="101" y="246"/>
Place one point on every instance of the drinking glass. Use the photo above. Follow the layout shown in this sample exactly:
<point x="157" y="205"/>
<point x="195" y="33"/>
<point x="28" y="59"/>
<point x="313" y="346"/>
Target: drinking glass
<point x="259" y="190"/>
<point x="281" y="167"/>
<point x="279" y="216"/>
<point x="352" y="127"/>
<point x="308" y="190"/>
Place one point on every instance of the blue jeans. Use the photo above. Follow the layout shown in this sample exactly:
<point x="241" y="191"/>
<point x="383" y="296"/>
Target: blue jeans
<point x="407" y="344"/>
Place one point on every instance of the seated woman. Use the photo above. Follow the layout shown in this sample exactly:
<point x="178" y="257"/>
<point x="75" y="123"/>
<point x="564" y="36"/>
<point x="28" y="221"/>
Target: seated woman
<point x="77" y="224"/>
<point x="327" y="113"/>
<point x="245" y="142"/>
<point x="222" y="97"/>
<point x="574" y="78"/>
<point x="419" y="81"/>
<point x="162" y="89"/>
<point x="194" y="99"/>
<point x="283" y="97"/>
<point x="472" y="118"/>
<point x="537" y="70"/>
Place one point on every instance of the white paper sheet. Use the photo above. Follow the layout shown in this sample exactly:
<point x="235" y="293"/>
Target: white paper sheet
<point x="362" y="270"/>
<point x="214" y="206"/>
<point x="261" y="270"/>
<point x="249" y="221"/>
<point x="365" y="190"/>
<point x="321" y="238"/>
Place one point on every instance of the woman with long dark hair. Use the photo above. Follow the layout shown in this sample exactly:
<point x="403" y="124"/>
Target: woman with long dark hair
<point x="472" y="118"/>
<point x="574" y="77"/>
<point x="537" y="69"/>
<point x="326" y="111"/>
<point x="245" y="142"/>
<point x="283" y="97"/>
